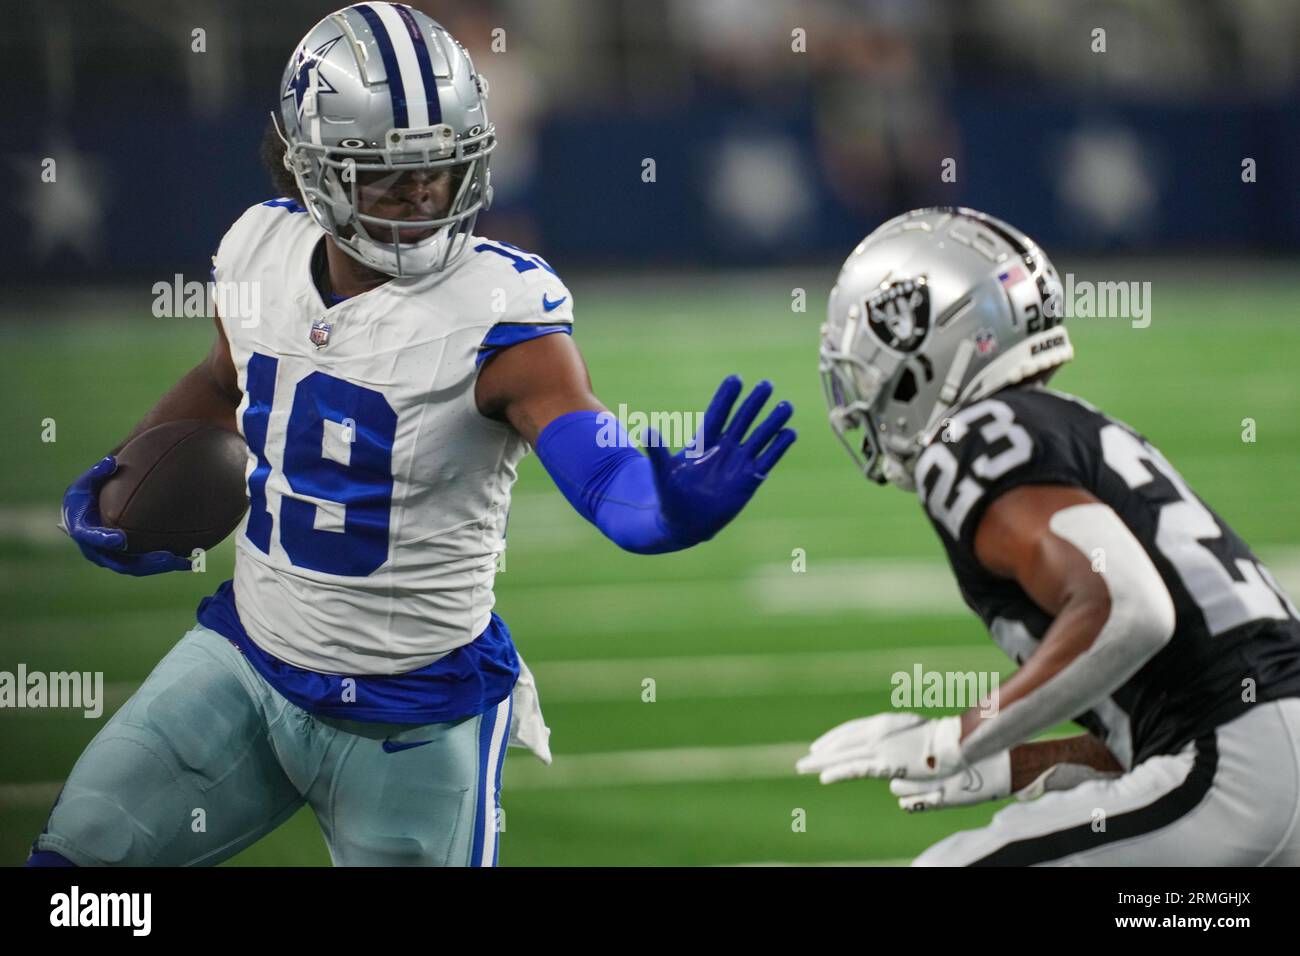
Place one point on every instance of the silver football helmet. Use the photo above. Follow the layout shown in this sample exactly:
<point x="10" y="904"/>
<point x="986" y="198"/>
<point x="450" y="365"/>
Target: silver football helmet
<point x="377" y="103"/>
<point x="936" y="309"/>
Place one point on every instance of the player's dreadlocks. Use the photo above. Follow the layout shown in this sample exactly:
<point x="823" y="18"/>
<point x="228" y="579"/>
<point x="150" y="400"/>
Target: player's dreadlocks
<point x="272" y="152"/>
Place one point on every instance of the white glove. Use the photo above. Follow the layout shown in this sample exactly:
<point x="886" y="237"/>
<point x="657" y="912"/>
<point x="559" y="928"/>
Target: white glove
<point x="987" y="779"/>
<point x="887" y="745"/>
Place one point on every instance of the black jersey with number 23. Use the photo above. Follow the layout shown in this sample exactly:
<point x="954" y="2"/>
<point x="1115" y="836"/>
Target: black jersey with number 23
<point x="1237" y="635"/>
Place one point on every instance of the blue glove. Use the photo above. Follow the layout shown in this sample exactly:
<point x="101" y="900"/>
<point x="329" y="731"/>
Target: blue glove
<point x="104" y="546"/>
<point x="699" y="495"/>
<point x="666" y="502"/>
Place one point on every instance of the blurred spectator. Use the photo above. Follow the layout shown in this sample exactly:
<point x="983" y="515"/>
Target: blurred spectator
<point x="782" y="127"/>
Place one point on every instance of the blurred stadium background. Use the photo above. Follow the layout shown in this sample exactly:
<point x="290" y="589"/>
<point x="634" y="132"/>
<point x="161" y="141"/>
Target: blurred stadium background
<point x="769" y="165"/>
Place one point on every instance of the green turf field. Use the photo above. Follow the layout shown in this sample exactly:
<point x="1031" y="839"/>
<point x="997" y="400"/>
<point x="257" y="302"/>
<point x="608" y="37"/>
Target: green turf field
<point x="750" y="660"/>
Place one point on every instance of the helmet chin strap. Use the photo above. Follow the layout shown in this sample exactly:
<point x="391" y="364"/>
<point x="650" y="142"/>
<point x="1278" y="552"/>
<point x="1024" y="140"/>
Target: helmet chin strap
<point x="898" y="474"/>
<point x="1038" y="353"/>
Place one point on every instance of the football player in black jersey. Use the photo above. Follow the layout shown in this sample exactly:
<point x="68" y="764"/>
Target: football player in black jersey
<point x="1128" y="605"/>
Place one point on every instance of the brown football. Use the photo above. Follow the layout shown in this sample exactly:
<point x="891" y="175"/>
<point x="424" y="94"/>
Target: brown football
<point x="178" y="486"/>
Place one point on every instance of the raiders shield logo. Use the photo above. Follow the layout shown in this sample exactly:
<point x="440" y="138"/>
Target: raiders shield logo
<point x="899" y="314"/>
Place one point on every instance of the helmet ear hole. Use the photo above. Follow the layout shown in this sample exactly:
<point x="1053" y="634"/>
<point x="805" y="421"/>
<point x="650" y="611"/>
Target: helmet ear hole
<point x="905" y="390"/>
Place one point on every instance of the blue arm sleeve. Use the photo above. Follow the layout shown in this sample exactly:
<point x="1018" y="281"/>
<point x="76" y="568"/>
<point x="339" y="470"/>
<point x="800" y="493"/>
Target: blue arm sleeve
<point x="607" y="480"/>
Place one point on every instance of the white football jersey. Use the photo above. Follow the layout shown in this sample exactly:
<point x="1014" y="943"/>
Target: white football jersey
<point x="378" y="493"/>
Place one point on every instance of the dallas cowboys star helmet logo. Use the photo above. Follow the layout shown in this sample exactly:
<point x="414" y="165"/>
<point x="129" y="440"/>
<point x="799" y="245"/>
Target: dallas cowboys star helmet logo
<point x="306" y="67"/>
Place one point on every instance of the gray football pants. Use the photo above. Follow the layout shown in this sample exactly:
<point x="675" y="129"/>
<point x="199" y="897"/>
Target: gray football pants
<point x="1231" y="798"/>
<point x="206" y="758"/>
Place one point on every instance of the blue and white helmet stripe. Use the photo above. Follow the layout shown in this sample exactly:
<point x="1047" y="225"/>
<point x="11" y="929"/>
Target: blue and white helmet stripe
<point x="430" y="85"/>
<point x="381" y="86"/>
<point x="405" y="53"/>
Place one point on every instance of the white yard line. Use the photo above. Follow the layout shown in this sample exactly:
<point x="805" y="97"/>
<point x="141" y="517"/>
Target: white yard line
<point x="745" y="675"/>
<point x="31" y="524"/>
<point x="904" y="861"/>
<point x="907" y="586"/>
<point x="116" y="694"/>
<point x="673" y="765"/>
<point x="617" y="768"/>
<point x="571" y="771"/>
<point x="913" y="587"/>
<point x="713" y="676"/>
<point x="880" y="585"/>
<point x="544" y="522"/>
<point x="678" y="765"/>
<point x="584" y="771"/>
<point x="38" y="794"/>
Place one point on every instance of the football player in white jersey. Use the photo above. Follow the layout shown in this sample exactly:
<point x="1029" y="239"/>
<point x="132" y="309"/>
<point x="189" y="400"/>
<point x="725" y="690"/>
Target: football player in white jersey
<point x="397" y="371"/>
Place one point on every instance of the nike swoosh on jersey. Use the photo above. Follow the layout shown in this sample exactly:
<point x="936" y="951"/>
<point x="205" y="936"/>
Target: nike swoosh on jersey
<point x="393" y="746"/>
<point x="549" y="306"/>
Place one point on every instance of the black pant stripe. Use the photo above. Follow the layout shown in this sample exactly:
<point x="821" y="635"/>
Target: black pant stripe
<point x="1161" y="813"/>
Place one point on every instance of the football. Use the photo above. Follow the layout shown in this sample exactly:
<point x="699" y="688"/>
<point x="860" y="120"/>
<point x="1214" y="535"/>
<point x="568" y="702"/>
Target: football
<point x="178" y="486"/>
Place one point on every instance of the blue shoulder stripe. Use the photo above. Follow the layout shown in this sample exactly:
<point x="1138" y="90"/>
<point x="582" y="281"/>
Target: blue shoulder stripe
<point x="506" y="334"/>
<point x="292" y="205"/>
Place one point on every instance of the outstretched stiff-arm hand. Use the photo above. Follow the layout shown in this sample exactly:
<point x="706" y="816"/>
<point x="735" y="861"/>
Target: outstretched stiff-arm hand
<point x="648" y="505"/>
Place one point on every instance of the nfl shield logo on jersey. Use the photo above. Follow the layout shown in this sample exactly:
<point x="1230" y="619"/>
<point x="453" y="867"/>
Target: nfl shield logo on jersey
<point x="320" y="333"/>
